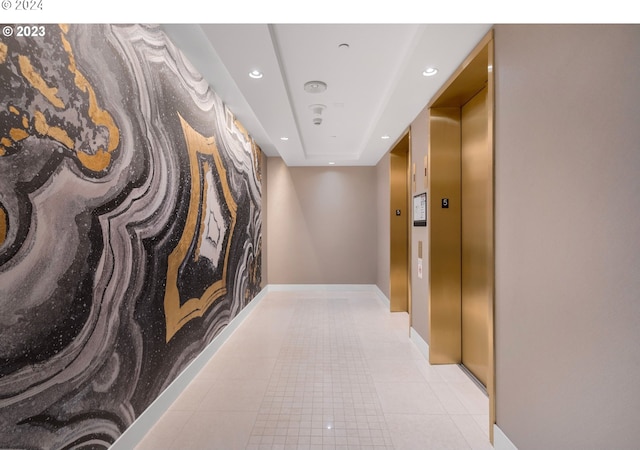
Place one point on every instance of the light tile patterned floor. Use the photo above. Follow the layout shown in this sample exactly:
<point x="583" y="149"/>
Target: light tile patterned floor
<point x="319" y="370"/>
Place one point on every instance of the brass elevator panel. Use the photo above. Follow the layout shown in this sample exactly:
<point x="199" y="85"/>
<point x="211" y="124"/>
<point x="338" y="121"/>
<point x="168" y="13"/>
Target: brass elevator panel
<point x="460" y="230"/>
<point x="399" y="217"/>
<point x="476" y="183"/>
<point x="444" y="236"/>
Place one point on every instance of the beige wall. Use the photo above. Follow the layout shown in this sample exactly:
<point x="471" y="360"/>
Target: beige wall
<point x="321" y="224"/>
<point x="265" y="215"/>
<point x="383" y="220"/>
<point x="568" y="236"/>
<point x="420" y="287"/>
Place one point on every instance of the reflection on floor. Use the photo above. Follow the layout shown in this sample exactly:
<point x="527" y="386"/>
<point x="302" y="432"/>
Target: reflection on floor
<point x="324" y="370"/>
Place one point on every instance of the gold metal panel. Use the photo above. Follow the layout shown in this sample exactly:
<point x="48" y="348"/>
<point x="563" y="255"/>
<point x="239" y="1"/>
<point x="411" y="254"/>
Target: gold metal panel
<point x="491" y="381"/>
<point x="476" y="183"/>
<point x="399" y="282"/>
<point x="476" y="72"/>
<point x="444" y="236"/>
<point x="468" y="79"/>
<point x="409" y="198"/>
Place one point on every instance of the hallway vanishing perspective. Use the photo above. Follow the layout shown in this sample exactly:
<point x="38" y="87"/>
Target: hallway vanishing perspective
<point x="324" y="370"/>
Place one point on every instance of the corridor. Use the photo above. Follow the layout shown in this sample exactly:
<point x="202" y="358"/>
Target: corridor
<point x="324" y="370"/>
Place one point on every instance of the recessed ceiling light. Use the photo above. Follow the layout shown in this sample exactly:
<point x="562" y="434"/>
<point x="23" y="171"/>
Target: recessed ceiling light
<point x="343" y="46"/>
<point x="284" y="138"/>
<point x="255" y="74"/>
<point x="331" y="163"/>
<point x="429" y="71"/>
<point x="385" y="137"/>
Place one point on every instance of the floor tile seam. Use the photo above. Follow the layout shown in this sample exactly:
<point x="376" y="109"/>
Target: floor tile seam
<point x="469" y="441"/>
<point x="438" y="402"/>
<point x="176" y="435"/>
<point x="195" y="404"/>
<point x="465" y="402"/>
<point x="474" y="421"/>
<point x="271" y="376"/>
<point x="361" y="346"/>
<point x="322" y="356"/>
<point x="273" y="372"/>
<point x="360" y="337"/>
<point x="468" y="403"/>
<point x="370" y="381"/>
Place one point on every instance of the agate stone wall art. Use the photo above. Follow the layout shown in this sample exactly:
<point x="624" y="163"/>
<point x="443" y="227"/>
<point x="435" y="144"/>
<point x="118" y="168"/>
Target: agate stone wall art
<point x="130" y="228"/>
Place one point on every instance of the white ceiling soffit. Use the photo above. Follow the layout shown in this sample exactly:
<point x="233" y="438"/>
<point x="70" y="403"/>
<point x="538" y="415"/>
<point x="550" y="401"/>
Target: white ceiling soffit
<point x="375" y="86"/>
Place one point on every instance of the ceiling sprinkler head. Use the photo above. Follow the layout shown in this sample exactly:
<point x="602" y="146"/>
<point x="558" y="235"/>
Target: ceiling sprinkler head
<point x="315" y="87"/>
<point x="317" y="113"/>
<point x="317" y="109"/>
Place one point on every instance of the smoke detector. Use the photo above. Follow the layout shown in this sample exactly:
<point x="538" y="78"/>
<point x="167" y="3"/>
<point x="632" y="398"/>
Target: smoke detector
<point x="317" y="110"/>
<point x="315" y="87"/>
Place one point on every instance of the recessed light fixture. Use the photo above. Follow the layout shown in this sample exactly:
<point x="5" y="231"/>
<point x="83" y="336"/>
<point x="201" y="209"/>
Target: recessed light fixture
<point x="386" y="136"/>
<point x="284" y="138"/>
<point x="429" y="71"/>
<point x="331" y="163"/>
<point x="344" y="46"/>
<point x="255" y="74"/>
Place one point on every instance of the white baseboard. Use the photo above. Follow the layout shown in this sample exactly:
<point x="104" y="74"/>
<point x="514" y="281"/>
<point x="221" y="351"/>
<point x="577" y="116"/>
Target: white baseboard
<point x="143" y="424"/>
<point x="422" y="345"/>
<point x="501" y="441"/>
<point x="320" y="287"/>
<point x="381" y="295"/>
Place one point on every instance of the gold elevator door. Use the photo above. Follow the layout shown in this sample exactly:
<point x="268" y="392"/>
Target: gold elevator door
<point x="399" y="218"/>
<point x="476" y="183"/>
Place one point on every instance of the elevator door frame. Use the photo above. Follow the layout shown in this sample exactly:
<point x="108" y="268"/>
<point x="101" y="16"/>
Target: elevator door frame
<point x="445" y="230"/>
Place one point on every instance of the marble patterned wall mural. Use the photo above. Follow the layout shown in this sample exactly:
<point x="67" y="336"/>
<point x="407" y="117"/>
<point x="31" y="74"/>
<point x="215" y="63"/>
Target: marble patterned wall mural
<point x="130" y="228"/>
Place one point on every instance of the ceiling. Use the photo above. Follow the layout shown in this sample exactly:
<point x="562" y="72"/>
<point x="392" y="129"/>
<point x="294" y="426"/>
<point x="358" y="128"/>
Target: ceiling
<point x="375" y="85"/>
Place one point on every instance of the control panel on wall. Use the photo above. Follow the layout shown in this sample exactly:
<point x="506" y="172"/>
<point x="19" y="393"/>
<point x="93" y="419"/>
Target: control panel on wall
<point x="420" y="210"/>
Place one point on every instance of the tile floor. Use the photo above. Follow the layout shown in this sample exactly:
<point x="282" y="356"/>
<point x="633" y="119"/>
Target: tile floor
<point x="322" y="370"/>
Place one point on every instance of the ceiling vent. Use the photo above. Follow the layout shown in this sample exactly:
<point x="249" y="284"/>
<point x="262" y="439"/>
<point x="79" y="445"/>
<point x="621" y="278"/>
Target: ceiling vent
<point x="315" y="87"/>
